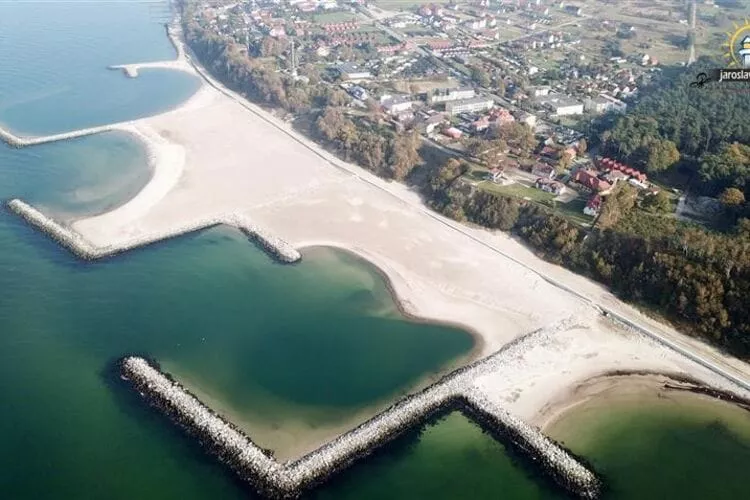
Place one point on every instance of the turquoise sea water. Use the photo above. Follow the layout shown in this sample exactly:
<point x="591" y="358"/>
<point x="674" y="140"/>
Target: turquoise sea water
<point x="285" y="350"/>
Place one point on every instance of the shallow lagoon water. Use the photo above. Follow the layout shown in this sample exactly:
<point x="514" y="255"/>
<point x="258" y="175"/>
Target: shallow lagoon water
<point x="308" y="344"/>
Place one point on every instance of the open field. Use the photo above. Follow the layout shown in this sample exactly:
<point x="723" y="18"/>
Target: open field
<point x="517" y="190"/>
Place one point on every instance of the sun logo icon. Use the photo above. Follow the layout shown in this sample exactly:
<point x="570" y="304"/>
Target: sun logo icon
<point x="738" y="46"/>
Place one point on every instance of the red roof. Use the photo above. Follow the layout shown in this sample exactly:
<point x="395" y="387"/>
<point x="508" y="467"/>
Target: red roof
<point x="591" y="181"/>
<point x="594" y="202"/>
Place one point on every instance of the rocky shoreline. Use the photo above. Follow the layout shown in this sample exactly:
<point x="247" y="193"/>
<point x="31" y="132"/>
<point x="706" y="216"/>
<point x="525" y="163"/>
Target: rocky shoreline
<point x="275" y="480"/>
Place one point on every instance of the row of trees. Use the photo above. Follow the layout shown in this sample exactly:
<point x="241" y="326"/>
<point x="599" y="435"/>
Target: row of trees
<point x="373" y="147"/>
<point x="698" y="278"/>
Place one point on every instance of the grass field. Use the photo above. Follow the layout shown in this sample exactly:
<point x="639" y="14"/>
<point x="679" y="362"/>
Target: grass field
<point x="336" y="17"/>
<point x="404" y="4"/>
<point x="518" y="191"/>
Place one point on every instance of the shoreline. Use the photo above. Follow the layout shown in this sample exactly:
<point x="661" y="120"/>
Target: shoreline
<point x="638" y="385"/>
<point x="319" y="435"/>
<point x="400" y="297"/>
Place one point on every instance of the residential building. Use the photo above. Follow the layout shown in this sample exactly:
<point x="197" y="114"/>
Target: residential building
<point x="589" y="179"/>
<point x="501" y="116"/>
<point x="540" y="90"/>
<point x="429" y="123"/>
<point x="527" y="118"/>
<point x="453" y="133"/>
<point x="550" y="186"/>
<point x="397" y="104"/>
<point x="469" y="105"/>
<point x="615" y="176"/>
<point x="562" y="105"/>
<point x="593" y="206"/>
<point x="604" y="103"/>
<point x="447" y="94"/>
<point x="358" y="93"/>
<point x="352" y="71"/>
<point x="542" y="170"/>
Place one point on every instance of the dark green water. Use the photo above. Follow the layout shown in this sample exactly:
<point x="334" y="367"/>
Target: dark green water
<point x="675" y="446"/>
<point x="288" y="352"/>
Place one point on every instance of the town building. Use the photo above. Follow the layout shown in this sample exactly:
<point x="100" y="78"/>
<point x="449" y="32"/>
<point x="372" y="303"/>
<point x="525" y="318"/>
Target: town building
<point x="550" y="186"/>
<point x="395" y="105"/>
<point x="562" y="105"/>
<point x="352" y="71"/>
<point x="447" y="94"/>
<point x="542" y="170"/>
<point x="593" y="206"/>
<point x="474" y="105"/>
<point x="590" y="180"/>
<point x="605" y="103"/>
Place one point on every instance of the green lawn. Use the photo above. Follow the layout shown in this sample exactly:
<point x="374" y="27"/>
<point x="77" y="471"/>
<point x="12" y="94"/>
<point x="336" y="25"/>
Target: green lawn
<point x="402" y="4"/>
<point x="334" y="17"/>
<point x="573" y="211"/>
<point x="518" y="191"/>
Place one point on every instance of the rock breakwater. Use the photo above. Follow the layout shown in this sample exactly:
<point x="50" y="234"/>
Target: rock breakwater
<point x="21" y="142"/>
<point x="83" y="249"/>
<point x="291" y="479"/>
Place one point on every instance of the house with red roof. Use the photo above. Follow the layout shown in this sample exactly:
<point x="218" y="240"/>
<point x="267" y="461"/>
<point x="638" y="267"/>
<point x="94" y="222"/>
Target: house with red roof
<point x="593" y="206"/>
<point x="543" y="170"/>
<point x="589" y="179"/>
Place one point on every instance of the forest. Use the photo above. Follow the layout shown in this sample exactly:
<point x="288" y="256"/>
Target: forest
<point x="703" y="131"/>
<point x="698" y="279"/>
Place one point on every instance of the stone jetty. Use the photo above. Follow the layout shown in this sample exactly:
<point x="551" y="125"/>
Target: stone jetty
<point x="75" y="243"/>
<point x="20" y="142"/>
<point x="291" y="479"/>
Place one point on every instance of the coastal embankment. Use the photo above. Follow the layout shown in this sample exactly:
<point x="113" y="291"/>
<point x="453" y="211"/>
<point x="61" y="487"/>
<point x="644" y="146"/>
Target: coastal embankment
<point x="76" y="244"/>
<point x="271" y="478"/>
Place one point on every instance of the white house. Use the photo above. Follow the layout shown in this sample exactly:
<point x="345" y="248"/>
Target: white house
<point x="562" y="105"/>
<point x="469" y="105"/>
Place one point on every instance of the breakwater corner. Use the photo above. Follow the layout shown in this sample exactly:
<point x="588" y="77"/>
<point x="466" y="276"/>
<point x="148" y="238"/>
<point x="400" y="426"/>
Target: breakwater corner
<point x="272" y="479"/>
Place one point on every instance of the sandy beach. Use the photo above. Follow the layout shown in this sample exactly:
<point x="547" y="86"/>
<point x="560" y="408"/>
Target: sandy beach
<point x="219" y="155"/>
<point x="629" y="388"/>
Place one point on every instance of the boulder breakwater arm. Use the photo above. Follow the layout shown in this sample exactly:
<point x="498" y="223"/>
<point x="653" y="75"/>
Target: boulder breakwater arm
<point x="274" y="245"/>
<point x="568" y="472"/>
<point x="19" y="142"/>
<point x="79" y="246"/>
<point x="63" y="235"/>
<point x="230" y="444"/>
<point x="290" y="480"/>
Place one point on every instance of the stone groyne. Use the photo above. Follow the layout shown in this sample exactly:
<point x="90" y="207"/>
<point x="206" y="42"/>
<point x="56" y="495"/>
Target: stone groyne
<point x="62" y="235"/>
<point x="20" y="142"/>
<point x="76" y="244"/>
<point x="290" y="480"/>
